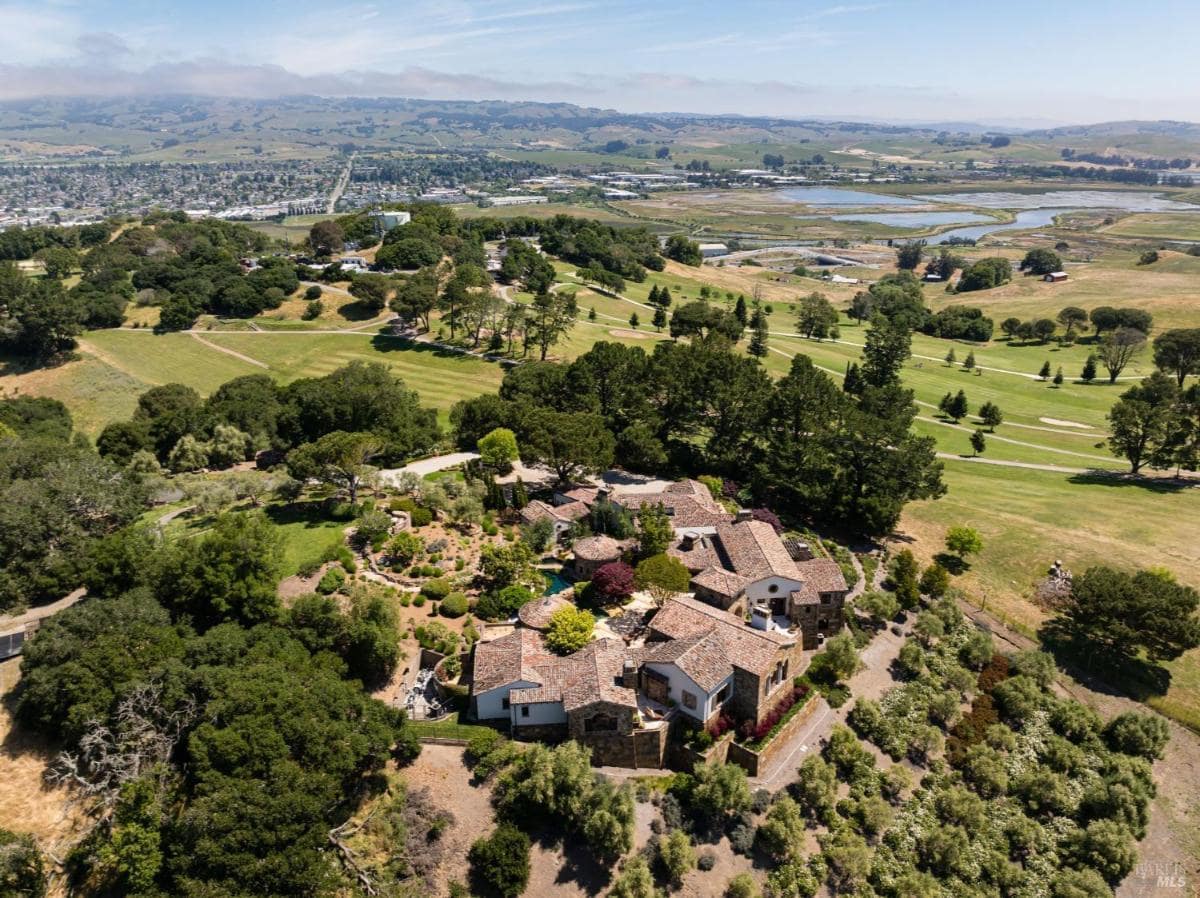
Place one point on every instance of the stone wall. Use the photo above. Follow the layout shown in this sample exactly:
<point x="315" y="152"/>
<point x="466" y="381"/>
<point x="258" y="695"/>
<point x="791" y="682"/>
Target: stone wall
<point x="824" y="618"/>
<point x="550" y="732"/>
<point x="638" y="749"/>
<point x="755" y="762"/>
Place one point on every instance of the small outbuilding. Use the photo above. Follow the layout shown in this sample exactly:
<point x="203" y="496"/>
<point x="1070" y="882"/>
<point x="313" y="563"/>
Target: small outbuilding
<point x="1054" y="277"/>
<point x="536" y="614"/>
<point x="593" y="552"/>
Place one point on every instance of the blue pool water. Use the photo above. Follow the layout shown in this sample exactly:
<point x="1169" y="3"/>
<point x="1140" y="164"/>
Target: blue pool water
<point x="556" y="582"/>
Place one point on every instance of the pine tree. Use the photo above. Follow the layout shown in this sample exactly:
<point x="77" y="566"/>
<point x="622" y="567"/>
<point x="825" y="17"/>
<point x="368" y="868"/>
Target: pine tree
<point x="969" y="361"/>
<point x="660" y="317"/>
<point x="520" y="498"/>
<point x="1044" y="374"/>
<point x="591" y="314"/>
<point x="958" y="406"/>
<point x="1058" y="377"/>
<point x="634" y="321"/>
<point x="990" y="414"/>
<point x="653" y="297"/>
<point x="978" y="442"/>
<point x="853" y="383"/>
<point x="1089" y="370"/>
<point x="944" y="404"/>
<point x="739" y="311"/>
<point x="951" y="358"/>
<point x="758" y="340"/>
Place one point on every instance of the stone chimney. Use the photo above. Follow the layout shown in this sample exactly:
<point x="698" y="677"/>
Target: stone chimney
<point x="629" y="674"/>
<point x="743" y="515"/>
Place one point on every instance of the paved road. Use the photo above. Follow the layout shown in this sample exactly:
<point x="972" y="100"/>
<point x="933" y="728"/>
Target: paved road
<point x="340" y="187"/>
<point x="428" y="465"/>
<point x="871" y="681"/>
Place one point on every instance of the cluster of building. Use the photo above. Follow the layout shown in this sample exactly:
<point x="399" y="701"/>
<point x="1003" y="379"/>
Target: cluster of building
<point x="731" y="646"/>
<point x="72" y="193"/>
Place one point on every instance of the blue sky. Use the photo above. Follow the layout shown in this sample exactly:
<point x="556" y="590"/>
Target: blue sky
<point x="1018" y="61"/>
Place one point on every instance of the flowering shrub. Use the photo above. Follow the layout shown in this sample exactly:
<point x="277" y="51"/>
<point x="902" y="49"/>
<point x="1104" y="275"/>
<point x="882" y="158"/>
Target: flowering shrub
<point x="748" y="731"/>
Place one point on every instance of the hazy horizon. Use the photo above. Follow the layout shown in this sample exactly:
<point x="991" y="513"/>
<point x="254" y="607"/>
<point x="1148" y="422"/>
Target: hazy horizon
<point x="918" y="61"/>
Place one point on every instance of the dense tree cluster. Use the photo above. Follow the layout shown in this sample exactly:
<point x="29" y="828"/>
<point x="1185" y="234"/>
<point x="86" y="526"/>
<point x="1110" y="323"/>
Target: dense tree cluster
<point x="690" y="408"/>
<point x="169" y="689"/>
<point x="57" y="497"/>
<point x="254" y="412"/>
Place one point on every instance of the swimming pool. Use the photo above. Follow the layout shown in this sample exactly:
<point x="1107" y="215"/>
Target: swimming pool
<point x="555" y="583"/>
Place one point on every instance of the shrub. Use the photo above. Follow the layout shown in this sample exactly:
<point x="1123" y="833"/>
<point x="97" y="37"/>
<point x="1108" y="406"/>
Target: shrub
<point x="481" y="744"/>
<point x="741" y="839"/>
<point x="662" y="572"/>
<point x="502" y="860"/>
<point x="503" y="604"/>
<point x="331" y="581"/>
<point x="419" y="601"/>
<point x="436" y="590"/>
<point x="569" y="630"/>
<point x="437" y="637"/>
<point x="706" y="861"/>
<point x="742" y="886"/>
<point x="676" y="855"/>
<point x="454" y="605"/>
<point x="1140" y="735"/>
<point x="22" y="870"/>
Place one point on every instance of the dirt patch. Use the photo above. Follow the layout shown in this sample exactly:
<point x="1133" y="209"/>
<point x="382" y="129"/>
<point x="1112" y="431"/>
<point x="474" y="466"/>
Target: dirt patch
<point x="631" y="335"/>
<point x="441" y="769"/>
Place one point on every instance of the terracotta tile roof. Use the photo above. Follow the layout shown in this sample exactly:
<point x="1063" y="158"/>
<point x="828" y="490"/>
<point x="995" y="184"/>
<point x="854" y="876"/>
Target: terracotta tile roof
<point x="700" y="657"/>
<point x="598" y="548"/>
<point x="754" y="550"/>
<point x="588" y="676"/>
<point x="720" y="581"/>
<point x="537" y="613"/>
<point x="697" y="558"/>
<point x="745" y="647"/>
<point x="586" y="494"/>
<point x="806" y="595"/>
<point x="688" y="501"/>
<point x="508" y="659"/>
<point x="824" y="574"/>
<point x="537" y="509"/>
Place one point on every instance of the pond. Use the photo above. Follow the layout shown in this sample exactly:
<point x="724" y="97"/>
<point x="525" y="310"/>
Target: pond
<point x="907" y="219"/>
<point x="840" y="196"/>
<point x="1125" y="200"/>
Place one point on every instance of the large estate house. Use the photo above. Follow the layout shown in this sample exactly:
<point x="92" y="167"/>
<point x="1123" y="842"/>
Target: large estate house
<point x="695" y="661"/>
<point x="730" y="647"/>
<point x="736" y="563"/>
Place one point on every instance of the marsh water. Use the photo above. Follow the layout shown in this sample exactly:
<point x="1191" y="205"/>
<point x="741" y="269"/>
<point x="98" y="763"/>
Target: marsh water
<point x="1033" y="210"/>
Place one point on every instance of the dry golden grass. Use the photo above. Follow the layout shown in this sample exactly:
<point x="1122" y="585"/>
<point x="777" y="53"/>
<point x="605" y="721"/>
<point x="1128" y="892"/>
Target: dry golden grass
<point x="26" y="803"/>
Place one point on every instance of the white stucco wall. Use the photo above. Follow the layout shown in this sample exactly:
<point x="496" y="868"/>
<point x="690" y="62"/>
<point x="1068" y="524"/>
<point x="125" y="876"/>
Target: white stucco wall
<point x="540" y="713"/>
<point x="490" y="705"/>
<point x="760" y="590"/>
<point x="679" y="681"/>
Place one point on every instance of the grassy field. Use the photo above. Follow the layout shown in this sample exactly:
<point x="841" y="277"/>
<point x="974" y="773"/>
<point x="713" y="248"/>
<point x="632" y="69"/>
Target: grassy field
<point x="116" y="366"/>
<point x="1166" y="225"/>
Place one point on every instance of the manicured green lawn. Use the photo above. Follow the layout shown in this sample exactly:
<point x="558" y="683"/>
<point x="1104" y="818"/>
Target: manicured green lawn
<point x="117" y="365"/>
<point x="449" y="728"/>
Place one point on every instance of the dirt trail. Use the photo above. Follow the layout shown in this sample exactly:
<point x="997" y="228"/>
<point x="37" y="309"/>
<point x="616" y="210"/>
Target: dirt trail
<point x="228" y="351"/>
